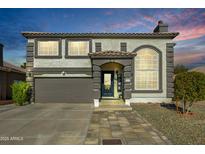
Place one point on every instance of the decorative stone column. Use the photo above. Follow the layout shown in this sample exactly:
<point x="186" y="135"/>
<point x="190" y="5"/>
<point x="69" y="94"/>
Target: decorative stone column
<point x="96" y="84"/>
<point x="29" y="68"/>
<point x="127" y="84"/>
<point x="170" y="69"/>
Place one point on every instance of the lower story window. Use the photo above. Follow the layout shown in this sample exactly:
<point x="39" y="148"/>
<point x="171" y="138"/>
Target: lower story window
<point x="146" y="80"/>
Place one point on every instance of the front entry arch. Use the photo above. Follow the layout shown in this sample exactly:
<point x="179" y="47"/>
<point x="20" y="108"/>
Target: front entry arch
<point x="103" y="59"/>
<point x="112" y="80"/>
<point x="100" y="64"/>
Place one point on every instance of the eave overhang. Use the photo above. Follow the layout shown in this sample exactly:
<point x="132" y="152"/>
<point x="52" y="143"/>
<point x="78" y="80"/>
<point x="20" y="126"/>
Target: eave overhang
<point x="112" y="54"/>
<point x="157" y="35"/>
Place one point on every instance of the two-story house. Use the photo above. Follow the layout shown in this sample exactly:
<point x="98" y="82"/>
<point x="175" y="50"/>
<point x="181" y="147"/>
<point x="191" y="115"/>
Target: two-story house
<point x="89" y="67"/>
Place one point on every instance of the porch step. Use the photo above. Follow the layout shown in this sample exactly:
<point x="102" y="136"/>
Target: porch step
<point x="113" y="108"/>
<point x="104" y="102"/>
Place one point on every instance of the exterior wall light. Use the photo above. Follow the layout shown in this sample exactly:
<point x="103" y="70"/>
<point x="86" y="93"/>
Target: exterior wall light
<point x="63" y="73"/>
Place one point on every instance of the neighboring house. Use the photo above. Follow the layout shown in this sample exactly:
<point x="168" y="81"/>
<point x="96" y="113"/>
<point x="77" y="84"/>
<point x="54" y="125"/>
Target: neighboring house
<point x="198" y="69"/>
<point x="9" y="74"/>
<point x="87" y="67"/>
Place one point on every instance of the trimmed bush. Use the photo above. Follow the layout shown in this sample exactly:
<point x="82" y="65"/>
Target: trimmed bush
<point x="20" y="92"/>
<point x="189" y="87"/>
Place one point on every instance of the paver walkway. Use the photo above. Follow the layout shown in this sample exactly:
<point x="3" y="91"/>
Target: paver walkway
<point x="128" y="126"/>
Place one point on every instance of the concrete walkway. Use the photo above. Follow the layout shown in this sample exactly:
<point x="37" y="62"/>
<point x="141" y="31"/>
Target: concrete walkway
<point x="44" y="123"/>
<point x="128" y="126"/>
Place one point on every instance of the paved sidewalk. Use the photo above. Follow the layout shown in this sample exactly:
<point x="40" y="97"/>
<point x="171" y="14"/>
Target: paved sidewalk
<point x="128" y="126"/>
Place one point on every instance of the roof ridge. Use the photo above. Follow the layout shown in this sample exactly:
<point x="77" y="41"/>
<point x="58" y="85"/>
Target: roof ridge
<point x="9" y="65"/>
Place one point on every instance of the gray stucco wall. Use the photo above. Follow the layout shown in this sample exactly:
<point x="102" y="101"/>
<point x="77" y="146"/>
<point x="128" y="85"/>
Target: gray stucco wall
<point x="107" y="44"/>
<point x="62" y="62"/>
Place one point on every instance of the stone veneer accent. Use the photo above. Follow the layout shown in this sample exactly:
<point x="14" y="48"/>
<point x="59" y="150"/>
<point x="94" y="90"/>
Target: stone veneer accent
<point x="29" y="67"/>
<point x="96" y="81"/>
<point x="127" y="80"/>
<point x="127" y="71"/>
<point x="170" y="69"/>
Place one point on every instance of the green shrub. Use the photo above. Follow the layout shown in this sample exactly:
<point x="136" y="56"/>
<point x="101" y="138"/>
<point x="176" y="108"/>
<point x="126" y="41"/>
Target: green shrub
<point x="20" y="92"/>
<point x="189" y="87"/>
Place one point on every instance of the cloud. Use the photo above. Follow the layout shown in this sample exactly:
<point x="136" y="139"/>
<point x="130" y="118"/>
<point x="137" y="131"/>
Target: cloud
<point x="187" y="33"/>
<point x="108" y="13"/>
<point x="127" y="25"/>
<point x="188" y="58"/>
<point x="189" y="22"/>
<point x="150" y="19"/>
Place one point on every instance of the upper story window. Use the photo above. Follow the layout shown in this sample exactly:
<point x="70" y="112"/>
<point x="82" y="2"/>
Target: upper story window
<point x="98" y="47"/>
<point x="147" y="69"/>
<point x="48" y="48"/>
<point x="78" y="48"/>
<point x="123" y="46"/>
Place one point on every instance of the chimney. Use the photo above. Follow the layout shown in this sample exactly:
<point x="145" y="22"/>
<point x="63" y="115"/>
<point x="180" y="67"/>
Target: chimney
<point x="161" y="27"/>
<point x="1" y="54"/>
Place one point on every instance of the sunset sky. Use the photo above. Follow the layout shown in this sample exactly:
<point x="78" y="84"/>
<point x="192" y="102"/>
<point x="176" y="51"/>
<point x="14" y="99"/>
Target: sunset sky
<point x="190" y="48"/>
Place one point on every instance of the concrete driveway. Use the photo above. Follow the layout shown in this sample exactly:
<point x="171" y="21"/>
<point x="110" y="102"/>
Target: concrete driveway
<point x="44" y="123"/>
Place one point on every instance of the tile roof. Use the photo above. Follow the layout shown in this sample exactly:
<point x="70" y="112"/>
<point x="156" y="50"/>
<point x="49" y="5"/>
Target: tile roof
<point x="121" y="54"/>
<point x="101" y="35"/>
<point x="11" y="68"/>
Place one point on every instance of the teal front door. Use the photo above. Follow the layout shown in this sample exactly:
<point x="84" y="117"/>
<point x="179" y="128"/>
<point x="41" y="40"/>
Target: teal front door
<point x="107" y="84"/>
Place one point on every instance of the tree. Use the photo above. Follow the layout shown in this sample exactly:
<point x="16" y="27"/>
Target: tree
<point x="189" y="87"/>
<point x="180" y="69"/>
<point x="23" y="65"/>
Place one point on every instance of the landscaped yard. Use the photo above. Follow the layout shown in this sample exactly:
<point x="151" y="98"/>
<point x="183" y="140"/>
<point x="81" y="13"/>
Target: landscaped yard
<point x="178" y="128"/>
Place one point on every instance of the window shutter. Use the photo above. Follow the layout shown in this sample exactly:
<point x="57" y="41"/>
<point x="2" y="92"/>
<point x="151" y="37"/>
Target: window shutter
<point x="98" y="47"/>
<point x="123" y="46"/>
